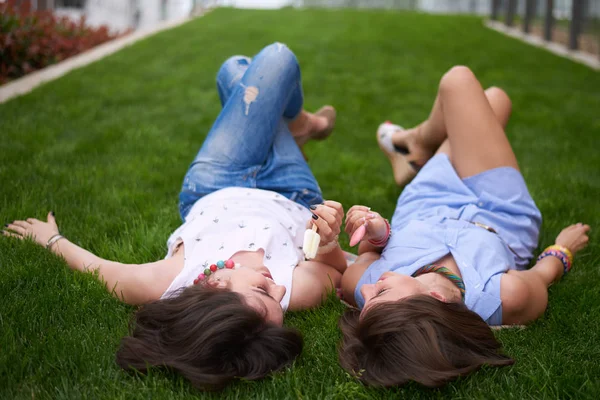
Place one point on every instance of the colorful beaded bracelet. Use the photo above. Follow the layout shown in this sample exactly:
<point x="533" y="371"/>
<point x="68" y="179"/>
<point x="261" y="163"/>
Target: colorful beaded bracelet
<point x="563" y="249"/>
<point x="383" y="242"/>
<point x="560" y="252"/>
<point x="229" y="264"/>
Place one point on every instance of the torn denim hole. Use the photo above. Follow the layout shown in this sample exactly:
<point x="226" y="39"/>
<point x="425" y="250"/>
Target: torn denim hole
<point x="250" y="95"/>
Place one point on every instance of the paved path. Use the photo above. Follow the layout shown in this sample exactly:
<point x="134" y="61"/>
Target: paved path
<point x="563" y="51"/>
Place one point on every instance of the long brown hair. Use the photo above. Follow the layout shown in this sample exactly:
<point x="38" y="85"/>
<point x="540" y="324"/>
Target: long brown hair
<point x="208" y="335"/>
<point x="419" y="339"/>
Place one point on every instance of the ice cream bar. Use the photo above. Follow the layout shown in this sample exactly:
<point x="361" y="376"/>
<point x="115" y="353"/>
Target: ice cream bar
<point x="358" y="235"/>
<point x="311" y="242"/>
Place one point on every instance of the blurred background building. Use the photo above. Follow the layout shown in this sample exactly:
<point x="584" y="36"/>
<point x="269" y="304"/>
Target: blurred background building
<point x="574" y="23"/>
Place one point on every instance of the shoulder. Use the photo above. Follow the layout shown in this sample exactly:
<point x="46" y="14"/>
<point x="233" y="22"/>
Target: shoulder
<point x="145" y="283"/>
<point x="354" y="273"/>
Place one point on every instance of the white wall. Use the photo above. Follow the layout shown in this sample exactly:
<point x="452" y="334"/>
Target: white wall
<point x="150" y="12"/>
<point x="481" y="7"/>
<point x="177" y="9"/>
<point x="259" y="3"/>
<point x="116" y="14"/>
<point x="120" y="15"/>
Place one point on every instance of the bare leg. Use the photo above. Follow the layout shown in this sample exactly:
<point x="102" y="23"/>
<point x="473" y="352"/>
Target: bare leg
<point x="502" y="107"/>
<point x="418" y="143"/>
<point x="465" y="115"/>
<point x="304" y="127"/>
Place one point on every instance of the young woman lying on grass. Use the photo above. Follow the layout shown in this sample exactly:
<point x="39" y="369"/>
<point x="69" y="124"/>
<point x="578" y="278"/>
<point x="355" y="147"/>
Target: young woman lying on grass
<point x="456" y="253"/>
<point x="213" y="308"/>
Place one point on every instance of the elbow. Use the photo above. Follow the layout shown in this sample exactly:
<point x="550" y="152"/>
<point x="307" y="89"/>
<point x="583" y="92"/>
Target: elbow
<point x="335" y="277"/>
<point x="347" y="290"/>
<point x="523" y="301"/>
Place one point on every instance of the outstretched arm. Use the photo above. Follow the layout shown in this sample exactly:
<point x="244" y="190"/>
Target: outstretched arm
<point x="524" y="294"/>
<point x="131" y="283"/>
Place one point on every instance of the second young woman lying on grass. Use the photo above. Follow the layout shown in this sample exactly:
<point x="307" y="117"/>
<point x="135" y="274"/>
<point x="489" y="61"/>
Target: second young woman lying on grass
<point x="462" y="236"/>
<point x="213" y="308"/>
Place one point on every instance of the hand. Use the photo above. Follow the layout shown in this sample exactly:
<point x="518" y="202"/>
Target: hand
<point x="37" y="230"/>
<point x="328" y="222"/>
<point x="376" y="228"/>
<point x="574" y="237"/>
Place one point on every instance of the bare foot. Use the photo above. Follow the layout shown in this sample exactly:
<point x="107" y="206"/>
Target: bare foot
<point x="404" y="149"/>
<point x="316" y="126"/>
<point x="409" y="142"/>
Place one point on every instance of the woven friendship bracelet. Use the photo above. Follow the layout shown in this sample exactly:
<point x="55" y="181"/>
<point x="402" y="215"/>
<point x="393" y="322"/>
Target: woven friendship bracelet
<point x="563" y="249"/>
<point x="383" y="242"/>
<point x="566" y="257"/>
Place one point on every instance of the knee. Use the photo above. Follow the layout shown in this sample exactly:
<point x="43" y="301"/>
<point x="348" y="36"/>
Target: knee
<point x="231" y="66"/>
<point x="457" y="77"/>
<point x="281" y="55"/>
<point x="278" y="49"/>
<point x="500" y="96"/>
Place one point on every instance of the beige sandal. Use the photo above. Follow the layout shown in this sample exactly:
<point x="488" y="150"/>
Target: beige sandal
<point x="329" y="113"/>
<point x="404" y="170"/>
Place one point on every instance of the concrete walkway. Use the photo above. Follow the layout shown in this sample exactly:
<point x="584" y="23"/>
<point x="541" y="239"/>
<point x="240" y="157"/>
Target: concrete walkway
<point x="558" y="49"/>
<point x="29" y="82"/>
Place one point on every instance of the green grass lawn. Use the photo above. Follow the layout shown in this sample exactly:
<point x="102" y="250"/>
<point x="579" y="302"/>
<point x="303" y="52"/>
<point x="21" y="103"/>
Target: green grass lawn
<point x="106" y="148"/>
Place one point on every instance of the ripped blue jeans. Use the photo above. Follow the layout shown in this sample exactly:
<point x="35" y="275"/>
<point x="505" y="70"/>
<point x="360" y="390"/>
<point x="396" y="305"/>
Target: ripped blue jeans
<point x="250" y="145"/>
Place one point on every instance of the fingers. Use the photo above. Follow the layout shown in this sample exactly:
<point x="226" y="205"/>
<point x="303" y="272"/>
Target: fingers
<point x="329" y="219"/>
<point x="323" y="210"/>
<point x="23" y="224"/>
<point x="579" y="225"/>
<point x="355" y="220"/>
<point x="51" y="218"/>
<point x="327" y="215"/>
<point x="358" y="207"/>
<point x="355" y="209"/>
<point x="324" y="230"/>
<point x="358" y="218"/>
<point x="16" y="228"/>
<point x="333" y="208"/>
<point x="33" y="220"/>
<point x="580" y="229"/>
<point x="335" y="205"/>
<point x="584" y="229"/>
<point x="574" y="237"/>
<point x="13" y="235"/>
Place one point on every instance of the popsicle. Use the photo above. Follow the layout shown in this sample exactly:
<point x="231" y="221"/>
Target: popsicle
<point x="358" y="235"/>
<point x="311" y="242"/>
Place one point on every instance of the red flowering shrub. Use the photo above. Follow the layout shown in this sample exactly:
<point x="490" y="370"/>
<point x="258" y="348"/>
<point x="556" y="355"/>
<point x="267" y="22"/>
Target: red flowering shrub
<point x="30" y="40"/>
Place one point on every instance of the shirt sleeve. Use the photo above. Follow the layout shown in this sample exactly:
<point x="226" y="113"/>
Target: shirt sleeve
<point x="371" y="275"/>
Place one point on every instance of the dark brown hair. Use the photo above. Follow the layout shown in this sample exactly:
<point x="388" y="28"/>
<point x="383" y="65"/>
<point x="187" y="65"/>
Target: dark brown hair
<point x="208" y="335"/>
<point x="419" y="339"/>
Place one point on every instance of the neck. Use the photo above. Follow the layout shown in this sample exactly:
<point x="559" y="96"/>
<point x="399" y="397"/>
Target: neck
<point x="249" y="258"/>
<point x="441" y="283"/>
